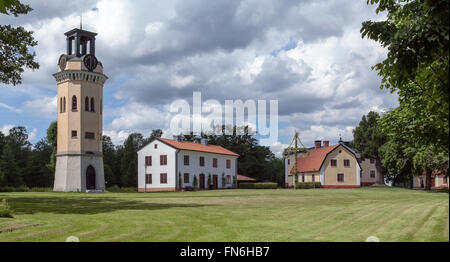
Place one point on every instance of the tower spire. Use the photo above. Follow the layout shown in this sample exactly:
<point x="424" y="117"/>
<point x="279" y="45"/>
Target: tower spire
<point x="81" y="22"/>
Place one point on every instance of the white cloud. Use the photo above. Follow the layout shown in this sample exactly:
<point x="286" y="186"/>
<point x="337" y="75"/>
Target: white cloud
<point x="10" y="108"/>
<point x="5" y="129"/>
<point x="45" y="106"/>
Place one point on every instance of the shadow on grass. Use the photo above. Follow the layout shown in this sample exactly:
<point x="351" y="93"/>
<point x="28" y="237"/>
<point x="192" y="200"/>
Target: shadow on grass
<point x="80" y="205"/>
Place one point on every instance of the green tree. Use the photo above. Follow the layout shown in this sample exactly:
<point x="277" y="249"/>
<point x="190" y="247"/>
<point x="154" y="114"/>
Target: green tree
<point x="416" y="34"/>
<point x="367" y="137"/>
<point x="15" y="45"/>
<point x="37" y="174"/>
<point x="52" y="134"/>
<point x="195" y="182"/>
<point x="129" y="159"/>
<point x="109" y="162"/>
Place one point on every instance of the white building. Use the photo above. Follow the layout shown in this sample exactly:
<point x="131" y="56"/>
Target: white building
<point x="162" y="161"/>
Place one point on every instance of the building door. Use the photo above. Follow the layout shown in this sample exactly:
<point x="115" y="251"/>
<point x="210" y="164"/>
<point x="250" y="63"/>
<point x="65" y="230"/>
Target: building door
<point x="215" y="181"/>
<point x="202" y="181"/>
<point x="90" y="178"/>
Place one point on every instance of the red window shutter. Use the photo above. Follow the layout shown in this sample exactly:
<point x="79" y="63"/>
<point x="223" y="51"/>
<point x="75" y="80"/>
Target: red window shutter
<point x="215" y="162"/>
<point x="228" y="163"/>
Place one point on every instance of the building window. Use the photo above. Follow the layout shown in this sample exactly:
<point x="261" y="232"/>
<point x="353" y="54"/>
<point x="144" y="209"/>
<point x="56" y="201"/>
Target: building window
<point x="74" y="103"/>
<point x="89" y="135"/>
<point x="60" y="105"/>
<point x="186" y="178"/>
<point x="74" y="134"/>
<point x="163" y="178"/>
<point x="346" y="163"/>
<point x="228" y="179"/>
<point x="372" y="161"/>
<point x="148" y="179"/>
<point x="333" y="162"/>
<point x="445" y="180"/>
<point x="313" y="178"/>
<point x="303" y="178"/>
<point x="228" y="163"/>
<point x="340" y="177"/>
<point x="64" y="104"/>
<point x="101" y="106"/>
<point x="86" y="104"/>
<point x="202" y="161"/>
<point x="148" y="161"/>
<point x="289" y="161"/>
<point x="156" y="146"/>
<point x="215" y="162"/>
<point x="186" y="160"/>
<point x="163" y="160"/>
<point x="92" y="105"/>
<point x="372" y="173"/>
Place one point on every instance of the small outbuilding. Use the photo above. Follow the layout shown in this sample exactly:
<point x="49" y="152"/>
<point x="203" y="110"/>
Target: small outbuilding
<point x="244" y="179"/>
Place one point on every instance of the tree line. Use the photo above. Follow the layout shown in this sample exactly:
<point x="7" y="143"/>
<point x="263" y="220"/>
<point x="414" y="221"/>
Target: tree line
<point x="24" y="164"/>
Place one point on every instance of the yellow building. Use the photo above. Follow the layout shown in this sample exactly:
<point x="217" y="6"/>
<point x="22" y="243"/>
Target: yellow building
<point x="80" y="80"/>
<point x="333" y="166"/>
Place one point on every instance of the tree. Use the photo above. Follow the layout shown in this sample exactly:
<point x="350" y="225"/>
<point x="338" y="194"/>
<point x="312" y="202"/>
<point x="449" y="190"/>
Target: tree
<point x="15" y="45"/>
<point x="367" y="137"/>
<point x="129" y="159"/>
<point x="37" y="173"/>
<point x="195" y="182"/>
<point x="109" y="162"/>
<point x="416" y="33"/>
<point x="52" y="135"/>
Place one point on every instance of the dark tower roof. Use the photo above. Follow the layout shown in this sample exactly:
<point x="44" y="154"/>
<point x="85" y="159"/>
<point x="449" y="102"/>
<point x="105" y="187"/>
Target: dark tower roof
<point x="79" y="39"/>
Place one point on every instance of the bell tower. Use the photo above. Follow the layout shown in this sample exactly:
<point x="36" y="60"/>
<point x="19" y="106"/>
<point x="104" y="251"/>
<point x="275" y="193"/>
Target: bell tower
<point x="80" y="80"/>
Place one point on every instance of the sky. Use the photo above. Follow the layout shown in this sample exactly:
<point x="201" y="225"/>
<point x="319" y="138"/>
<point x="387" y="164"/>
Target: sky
<point x="307" y="54"/>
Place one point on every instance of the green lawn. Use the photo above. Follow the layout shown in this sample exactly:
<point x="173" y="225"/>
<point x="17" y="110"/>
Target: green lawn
<point x="391" y="214"/>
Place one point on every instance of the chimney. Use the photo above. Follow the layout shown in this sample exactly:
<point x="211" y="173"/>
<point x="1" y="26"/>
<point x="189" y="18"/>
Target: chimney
<point x="317" y="144"/>
<point x="326" y="143"/>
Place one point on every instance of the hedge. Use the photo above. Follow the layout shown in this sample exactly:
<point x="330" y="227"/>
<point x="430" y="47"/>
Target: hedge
<point x="116" y="189"/>
<point x="25" y="189"/>
<point x="258" y="185"/>
<point x="308" y="185"/>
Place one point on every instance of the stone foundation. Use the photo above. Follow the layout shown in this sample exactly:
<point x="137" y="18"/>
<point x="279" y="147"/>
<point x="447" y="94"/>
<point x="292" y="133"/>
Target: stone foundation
<point x="70" y="172"/>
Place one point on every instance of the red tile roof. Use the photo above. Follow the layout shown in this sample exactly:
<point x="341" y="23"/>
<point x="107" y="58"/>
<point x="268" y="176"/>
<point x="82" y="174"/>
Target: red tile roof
<point x="191" y="146"/>
<point x="242" y="178"/>
<point x="312" y="160"/>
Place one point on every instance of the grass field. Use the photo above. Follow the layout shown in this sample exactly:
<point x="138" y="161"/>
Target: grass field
<point x="391" y="214"/>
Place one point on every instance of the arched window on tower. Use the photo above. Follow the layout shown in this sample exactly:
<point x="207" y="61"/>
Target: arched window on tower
<point x="92" y="105"/>
<point x="101" y="106"/>
<point x="64" y="105"/>
<point x="86" y="104"/>
<point x="74" y="103"/>
<point x="60" y="105"/>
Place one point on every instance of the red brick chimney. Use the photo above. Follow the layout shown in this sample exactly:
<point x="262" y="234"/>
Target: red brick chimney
<point x="326" y="143"/>
<point x="317" y="144"/>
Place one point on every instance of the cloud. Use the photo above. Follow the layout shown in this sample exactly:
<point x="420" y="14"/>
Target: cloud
<point x="308" y="55"/>
<point x="45" y="106"/>
<point x="5" y="129"/>
<point x="10" y="108"/>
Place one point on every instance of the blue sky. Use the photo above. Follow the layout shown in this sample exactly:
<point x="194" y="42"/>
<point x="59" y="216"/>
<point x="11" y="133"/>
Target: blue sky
<point x="307" y="54"/>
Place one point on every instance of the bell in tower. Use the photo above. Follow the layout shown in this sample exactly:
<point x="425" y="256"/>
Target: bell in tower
<point x="80" y="80"/>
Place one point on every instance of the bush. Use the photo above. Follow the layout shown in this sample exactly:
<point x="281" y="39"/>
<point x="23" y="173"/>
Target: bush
<point x="247" y="185"/>
<point x="14" y="189"/>
<point x="258" y="185"/>
<point x="7" y="189"/>
<point x="5" y="210"/>
<point x="122" y="189"/>
<point x="308" y="185"/>
<point x="41" y="189"/>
